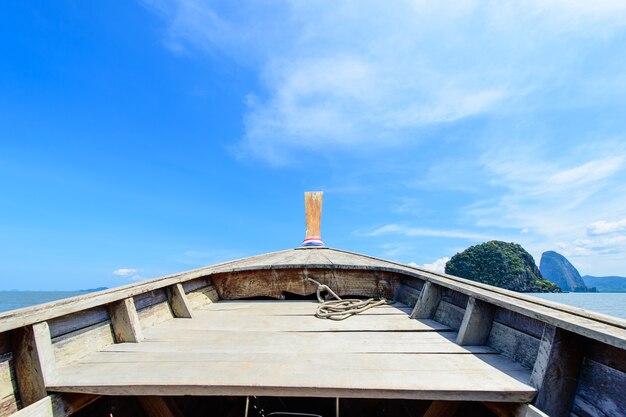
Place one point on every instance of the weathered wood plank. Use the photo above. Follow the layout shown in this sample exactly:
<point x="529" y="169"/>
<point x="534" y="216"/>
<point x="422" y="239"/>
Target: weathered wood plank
<point x="420" y="376"/>
<point x="202" y="297"/>
<point x="182" y="340"/>
<point x="64" y="405"/>
<point x="213" y="320"/>
<point x="519" y="322"/>
<point x="79" y="320"/>
<point x="406" y="295"/>
<point x="5" y="343"/>
<point x="476" y="323"/>
<point x="8" y="385"/>
<point x="155" y="314"/>
<point x="449" y="315"/>
<point x="125" y="321"/>
<point x="196" y="284"/>
<point x="178" y="302"/>
<point x="40" y="408"/>
<point x="442" y="409"/>
<point x="313" y="210"/>
<point x="517" y="345"/>
<point x="155" y="406"/>
<point x="35" y="364"/>
<point x="606" y="355"/>
<point x="73" y="346"/>
<point x="294" y="308"/>
<point x="557" y="377"/>
<point x="428" y="302"/>
<point x="601" y="391"/>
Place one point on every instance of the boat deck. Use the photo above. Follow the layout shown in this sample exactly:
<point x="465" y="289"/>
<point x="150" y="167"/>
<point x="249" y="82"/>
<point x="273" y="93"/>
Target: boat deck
<point x="280" y="348"/>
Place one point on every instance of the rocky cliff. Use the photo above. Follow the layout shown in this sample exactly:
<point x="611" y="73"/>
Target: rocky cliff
<point x="556" y="268"/>
<point x="505" y="265"/>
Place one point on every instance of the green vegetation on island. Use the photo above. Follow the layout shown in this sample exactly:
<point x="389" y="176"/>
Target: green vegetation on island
<point x="505" y="265"/>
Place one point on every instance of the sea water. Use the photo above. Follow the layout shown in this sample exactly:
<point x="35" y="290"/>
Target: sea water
<point x="10" y="300"/>
<point x="611" y="303"/>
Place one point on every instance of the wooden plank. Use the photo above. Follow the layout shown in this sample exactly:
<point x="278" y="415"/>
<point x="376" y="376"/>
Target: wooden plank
<point x="79" y="320"/>
<point x="8" y="385"/>
<point x="417" y="376"/>
<point x="601" y="391"/>
<point x="35" y="364"/>
<point x="5" y="343"/>
<point x="518" y="346"/>
<point x="155" y="314"/>
<point x="449" y="315"/>
<point x="156" y="406"/>
<point x="196" y="284"/>
<point x="442" y="409"/>
<point x="64" y="405"/>
<point x="208" y="321"/>
<point x="178" y="302"/>
<point x="40" y="408"/>
<point x="476" y="323"/>
<point x="294" y="308"/>
<point x="202" y="297"/>
<point x="428" y="302"/>
<point x="519" y="322"/>
<point x="75" y="345"/>
<point x="406" y="295"/>
<point x="125" y="321"/>
<point x="557" y="377"/>
<point x="313" y="210"/>
<point x="181" y="340"/>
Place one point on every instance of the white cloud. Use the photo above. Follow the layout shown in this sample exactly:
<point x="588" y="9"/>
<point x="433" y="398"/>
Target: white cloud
<point x="123" y="272"/>
<point x="131" y="274"/>
<point x="419" y="231"/>
<point x="353" y="75"/>
<point x="602" y="227"/>
<point x="439" y="265"/>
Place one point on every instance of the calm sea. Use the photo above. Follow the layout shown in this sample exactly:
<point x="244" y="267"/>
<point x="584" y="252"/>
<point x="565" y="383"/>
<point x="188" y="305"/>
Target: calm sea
<point x="613" y="304"/>
<point x="10" y="300"/>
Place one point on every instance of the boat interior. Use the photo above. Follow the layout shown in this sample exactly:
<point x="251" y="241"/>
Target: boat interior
<point x="242" y="338"/>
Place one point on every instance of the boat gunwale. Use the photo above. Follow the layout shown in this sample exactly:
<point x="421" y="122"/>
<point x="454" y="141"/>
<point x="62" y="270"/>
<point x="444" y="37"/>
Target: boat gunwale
<point x="497" y="296"/>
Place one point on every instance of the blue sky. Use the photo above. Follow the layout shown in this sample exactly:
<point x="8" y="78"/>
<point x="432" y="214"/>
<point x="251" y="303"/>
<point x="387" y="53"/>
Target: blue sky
<point x="145" y="138"/>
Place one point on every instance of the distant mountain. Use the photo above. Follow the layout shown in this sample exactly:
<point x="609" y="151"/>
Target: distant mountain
<point x="606" y="284"/>
<point x="505" y="265"/>
<point x="556" y="268"/>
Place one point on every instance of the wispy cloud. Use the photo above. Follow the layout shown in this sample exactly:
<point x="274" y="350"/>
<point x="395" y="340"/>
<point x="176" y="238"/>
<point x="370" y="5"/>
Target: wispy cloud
<point x="346" y="75"/>
<point x="418" y="231"/>
<point x="132" y="274"/>
<point x="602" y="227"/>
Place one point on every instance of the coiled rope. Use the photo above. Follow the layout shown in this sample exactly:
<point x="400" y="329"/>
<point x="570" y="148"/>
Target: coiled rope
<point x="340" y="309"/>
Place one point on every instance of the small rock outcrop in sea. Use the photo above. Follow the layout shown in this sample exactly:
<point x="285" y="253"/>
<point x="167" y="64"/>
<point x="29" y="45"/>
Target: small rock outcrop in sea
<point x="505" y="265"/>
<point x="556" y="268"/>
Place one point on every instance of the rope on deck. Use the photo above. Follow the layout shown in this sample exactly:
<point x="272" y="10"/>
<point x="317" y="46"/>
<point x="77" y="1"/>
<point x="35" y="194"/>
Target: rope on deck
<point x="340" y="309"/>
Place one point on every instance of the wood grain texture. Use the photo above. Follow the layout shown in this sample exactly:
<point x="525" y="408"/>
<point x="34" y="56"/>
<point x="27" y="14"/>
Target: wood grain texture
<point x="75" y="345"/>
<point x="39" y="408"/>
<point x="517" y="345"/>
<point x="125" y="321"/>
<point x="178" y="301"/>
<point x="79" y="320"/>
<point x="9" y="397"/>
<point x="406" y="295"/>
<point x="202" y="296"/>
<point x="476" y="323"/>
<point x="449" y="315"/>
<point x="313" y="213"/>
<point x="427" y="302"/>
<point x="557" y="385"/>
<point x="229" y="348"/>
<point x="601" y="391"/>
<point x="35" y="364"/>
<point x="64" y="405"/>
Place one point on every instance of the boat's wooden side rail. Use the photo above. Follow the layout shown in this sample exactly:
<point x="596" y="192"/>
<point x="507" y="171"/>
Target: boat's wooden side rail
<point x="578" y="365"/>
<point x="69" y="329"/>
